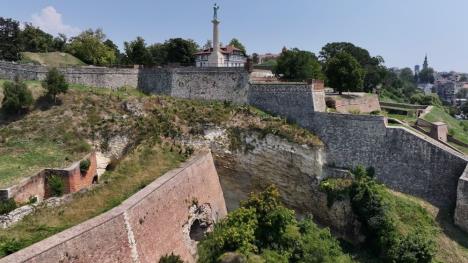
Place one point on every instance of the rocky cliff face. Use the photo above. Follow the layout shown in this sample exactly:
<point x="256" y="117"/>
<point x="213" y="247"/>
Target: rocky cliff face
<point x="259" y="161"/>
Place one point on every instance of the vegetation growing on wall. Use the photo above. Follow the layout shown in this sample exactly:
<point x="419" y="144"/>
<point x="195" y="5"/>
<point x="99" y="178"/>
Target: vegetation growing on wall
<point x="8" y="205"/>
<point x="396" y="229"/>
<point x="56" y="185"/>
<point x="84" y="166"/>
<point x="263" y="230"/>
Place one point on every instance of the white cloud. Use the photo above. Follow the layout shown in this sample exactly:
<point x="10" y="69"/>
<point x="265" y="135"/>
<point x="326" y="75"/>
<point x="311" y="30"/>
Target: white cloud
<point x="51" y="22"/>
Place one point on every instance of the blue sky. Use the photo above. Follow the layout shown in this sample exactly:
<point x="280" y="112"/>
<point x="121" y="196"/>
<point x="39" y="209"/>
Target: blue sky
<point x="401" y="31"/>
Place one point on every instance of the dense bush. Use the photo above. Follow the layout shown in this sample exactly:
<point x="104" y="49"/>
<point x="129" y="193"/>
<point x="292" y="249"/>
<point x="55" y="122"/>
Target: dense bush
<point x="263" y="230"/>
<point x="421" y="99"/>
<point x="6" y="206"/>
<point x="380" y="225"/>
<point x="17" y="97"/>
<point x="84" y="166"/>
<point x="55" y="83"/>
<point x="171" y="259"/>
<point x="56" y="185"/>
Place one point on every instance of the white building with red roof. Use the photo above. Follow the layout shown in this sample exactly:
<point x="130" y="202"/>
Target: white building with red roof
<point x="217" y="56"/>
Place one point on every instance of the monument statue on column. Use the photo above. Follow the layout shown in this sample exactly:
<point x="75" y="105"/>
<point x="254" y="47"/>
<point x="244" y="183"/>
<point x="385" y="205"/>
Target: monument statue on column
<point x="216" y="58"/>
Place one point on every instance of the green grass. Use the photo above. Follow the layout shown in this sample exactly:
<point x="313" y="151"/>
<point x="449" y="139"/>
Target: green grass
<point x="139" y="169"/>
<point x="455" y="126"/>
<point x="51" y="59"/>
<point x="27" y="157"/>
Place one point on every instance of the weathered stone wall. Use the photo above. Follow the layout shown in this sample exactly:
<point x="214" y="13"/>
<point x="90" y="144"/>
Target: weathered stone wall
<point x="91" y="76"/>
<point x="360" y="102"/>
<point x="148" y="225"/>
<point x="461" y="210"/>
<point x="404" y="160"/>
<point x="290" y="100"/>
<point x="222" y="84"/>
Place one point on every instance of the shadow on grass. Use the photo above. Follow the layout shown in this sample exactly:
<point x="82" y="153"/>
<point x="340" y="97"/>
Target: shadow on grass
<point x="45" y="102"/>
<point x="445" y="220"/>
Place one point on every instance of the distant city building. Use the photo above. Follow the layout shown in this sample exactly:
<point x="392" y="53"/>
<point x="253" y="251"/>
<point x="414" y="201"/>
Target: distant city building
<point x="218" y="56"/>
<point x="425" y="64"/>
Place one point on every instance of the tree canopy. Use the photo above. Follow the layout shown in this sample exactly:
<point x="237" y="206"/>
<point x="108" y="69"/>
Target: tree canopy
<point x="236" y="43"/>
<point x="344" y="73"/>
<point x="55" y="83"/>
<point x="90" y="48"/>
<point x="426" y="76"/>
<point x="136" y="52"/>
<point x="181" y="51"/>
<point x="34" y="39"/>
<point x="9" y="39"/>
<point x="298" y="65"/>
<point x="264" y="229"/>
<point x="17" y="96"/>
<point x="373" y="68"/>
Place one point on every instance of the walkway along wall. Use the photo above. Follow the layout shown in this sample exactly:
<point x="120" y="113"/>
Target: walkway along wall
<point x="150" y="224"/>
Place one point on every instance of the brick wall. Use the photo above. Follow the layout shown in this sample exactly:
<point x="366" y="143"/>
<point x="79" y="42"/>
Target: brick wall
<point x="37" y="185"/>
<point x="361" y="102"/>
<point x="143" y="228"/>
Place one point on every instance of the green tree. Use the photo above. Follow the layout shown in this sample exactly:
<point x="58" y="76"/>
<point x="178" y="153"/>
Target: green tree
<point x="374" y="71"/>
<point x="34" y="39"/>
<point x="158" y="54"/>
<point x="406" y="74"/>
<point x="16" y="96"/>
<point x="236" y="43"/>
<point x="344" y="73"/>
<point x="90" y="48"/>
<point x="109" y="43"/>
<point x="9" y="39"/>
<point x="426" y="75"/>
<point x="298" y="65"/>
<point x="264" y="230"/>
<point x="255" y="58"/>
<point x="55" y="83"/>
<point x="137" y="53"/>
<point x="181" y="51"/>
<point x="60" y="42"/>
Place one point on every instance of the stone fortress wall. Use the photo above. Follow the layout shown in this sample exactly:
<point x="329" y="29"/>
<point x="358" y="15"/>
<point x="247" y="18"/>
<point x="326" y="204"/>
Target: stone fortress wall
<point x="150" y="224"/>
<point x="404" y="160"/>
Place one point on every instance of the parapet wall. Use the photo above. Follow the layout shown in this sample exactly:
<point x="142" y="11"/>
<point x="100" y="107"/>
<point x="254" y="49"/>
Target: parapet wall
<point x="145" y="227"/>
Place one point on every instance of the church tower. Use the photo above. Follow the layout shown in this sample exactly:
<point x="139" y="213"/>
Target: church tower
<point x="425" y="64"/>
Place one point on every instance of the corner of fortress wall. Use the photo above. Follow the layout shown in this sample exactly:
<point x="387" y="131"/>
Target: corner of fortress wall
<point x="461" y="210"/>
<point x="143" y="228"/>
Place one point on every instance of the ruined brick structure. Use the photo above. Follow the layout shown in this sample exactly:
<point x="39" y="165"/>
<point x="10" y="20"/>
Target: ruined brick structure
<point x="37" y="186"/>
<point x="150" y="224"/>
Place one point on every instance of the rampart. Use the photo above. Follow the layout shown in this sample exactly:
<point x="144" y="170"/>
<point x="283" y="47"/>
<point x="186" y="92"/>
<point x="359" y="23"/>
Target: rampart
<point x="150" y="224"/>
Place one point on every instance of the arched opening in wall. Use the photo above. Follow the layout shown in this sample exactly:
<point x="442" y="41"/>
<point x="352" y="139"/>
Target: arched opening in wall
<point x="95" y="179"/>
<point x="198" y="230"/>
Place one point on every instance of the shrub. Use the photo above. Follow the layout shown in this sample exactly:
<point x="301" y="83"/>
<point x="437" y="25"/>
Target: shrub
<point x="375" y="112"/>
<point x="55" y="83"/>
<point x="6" y="206"/>
<point x="171" y="259"/>
<point x="84" y="166"/>
<point x="17" y="96"/>
<point x="56" y="185"/>
<point x="336" y="189"/>
<point x="32" y="199"/>
<point x="263" y="230"/>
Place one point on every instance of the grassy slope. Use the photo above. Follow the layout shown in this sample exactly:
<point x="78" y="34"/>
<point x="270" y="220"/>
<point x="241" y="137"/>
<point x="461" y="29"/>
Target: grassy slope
<point x="52" y="59"/>
<point x="452" y="243"/>
<point x="455" y="126"/>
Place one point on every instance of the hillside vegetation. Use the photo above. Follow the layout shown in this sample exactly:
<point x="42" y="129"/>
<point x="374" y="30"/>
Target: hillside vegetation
<point x="457" y="128"/>
<point x="51" y="59"/>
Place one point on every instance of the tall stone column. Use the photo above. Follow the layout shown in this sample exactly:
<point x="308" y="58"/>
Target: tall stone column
<point x="215" y="35"/>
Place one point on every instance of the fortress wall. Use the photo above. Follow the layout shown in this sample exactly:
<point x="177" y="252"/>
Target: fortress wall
<point x="461" y="211"/>
<point x="290" y="100"/>
<point x="143" y="228"/>
<point x="363" y="102"/>
<point x="90" y="76"/>
<point x="155" y="80"/>
<point x="222" y="84"/>
<point x="404" y="160"/>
